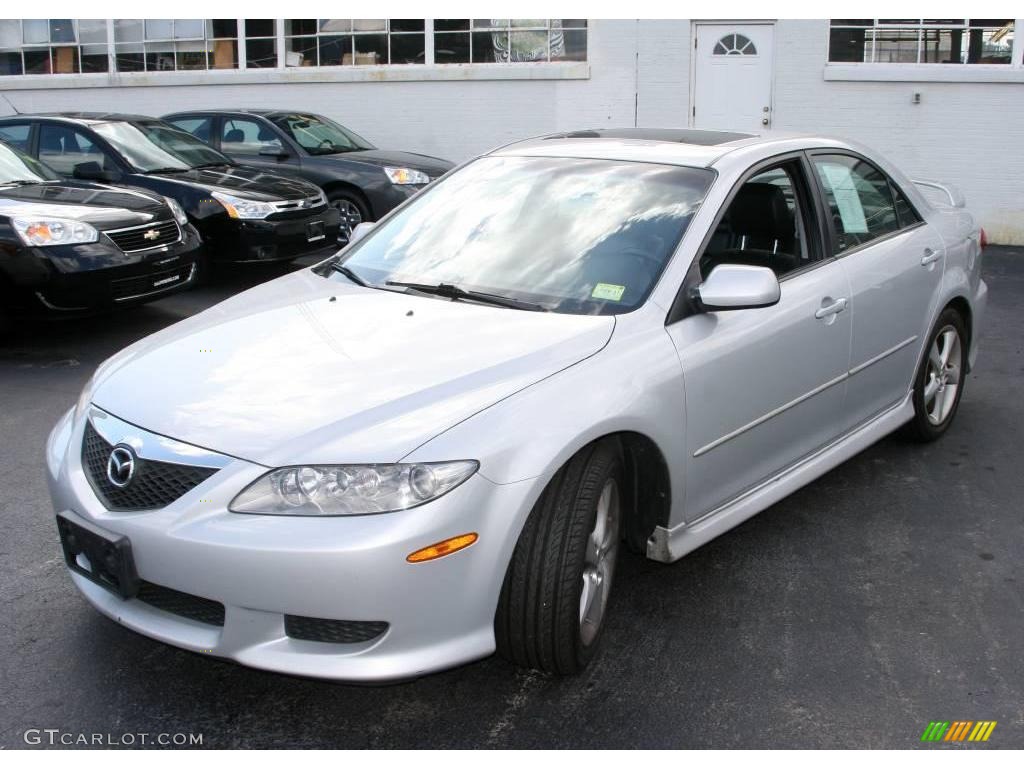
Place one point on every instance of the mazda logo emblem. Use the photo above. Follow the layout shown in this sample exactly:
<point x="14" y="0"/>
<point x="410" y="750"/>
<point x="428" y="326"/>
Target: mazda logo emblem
<point x="151" y="234"/>
<point x="121" y="466"/>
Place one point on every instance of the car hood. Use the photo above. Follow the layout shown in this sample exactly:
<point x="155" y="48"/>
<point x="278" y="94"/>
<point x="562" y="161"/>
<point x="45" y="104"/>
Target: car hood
<point x="247" y="181"/>
<point x="432" y="166"/>
<point x="102" y="206"/>
<point x="310" y="370"/>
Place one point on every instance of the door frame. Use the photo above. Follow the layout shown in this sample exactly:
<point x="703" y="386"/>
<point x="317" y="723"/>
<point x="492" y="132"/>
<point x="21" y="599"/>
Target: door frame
<point x="694" y="25"/>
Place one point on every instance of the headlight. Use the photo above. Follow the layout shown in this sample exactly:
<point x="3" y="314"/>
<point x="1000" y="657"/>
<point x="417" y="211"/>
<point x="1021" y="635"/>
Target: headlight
<point x="54" y="231"/>
<point x="240" y="208"/>
<point x="177" y="210"/>
<point x="406" y="176"/>
<point x="358" y="489"/>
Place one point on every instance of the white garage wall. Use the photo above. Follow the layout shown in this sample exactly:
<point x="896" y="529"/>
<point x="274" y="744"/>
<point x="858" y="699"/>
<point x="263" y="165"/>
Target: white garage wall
<point x="966" y="133"/>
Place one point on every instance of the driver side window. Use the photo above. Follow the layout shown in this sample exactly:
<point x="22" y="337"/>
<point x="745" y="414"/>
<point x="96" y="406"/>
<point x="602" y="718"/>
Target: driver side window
<point x="247" y="137"/>
<point x="62" y="148"/>
<point x="765" y="225"/>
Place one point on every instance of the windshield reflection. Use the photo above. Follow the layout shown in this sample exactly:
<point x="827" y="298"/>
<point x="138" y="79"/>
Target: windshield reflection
<point x="153" y="146"/>
<point x="574" y="235"/>
<point x="17" y="166"/>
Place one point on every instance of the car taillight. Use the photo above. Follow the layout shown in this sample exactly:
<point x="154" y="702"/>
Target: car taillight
<point x="983" y="240"/>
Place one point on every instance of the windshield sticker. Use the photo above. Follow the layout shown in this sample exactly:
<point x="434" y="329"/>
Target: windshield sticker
<point x="608" y="292"/>
<point x="844" y="191"/>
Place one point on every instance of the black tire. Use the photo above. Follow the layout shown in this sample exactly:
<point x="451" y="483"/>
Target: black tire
<point x="923" y="427"/>
<point x="351" y="206"/>
<point x="537" y="623"/>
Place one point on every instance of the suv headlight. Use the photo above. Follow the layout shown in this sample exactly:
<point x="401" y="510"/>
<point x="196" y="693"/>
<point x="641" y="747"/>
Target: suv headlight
<point x="240" y="208"/>
<point x="177" y="211"/>
<point x="47" y="231"/>
<point x="406" y="176"/>
<point x="356" y="489"/>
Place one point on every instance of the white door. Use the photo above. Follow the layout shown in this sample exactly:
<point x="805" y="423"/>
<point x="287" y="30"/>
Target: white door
<point x="733" y="77"/>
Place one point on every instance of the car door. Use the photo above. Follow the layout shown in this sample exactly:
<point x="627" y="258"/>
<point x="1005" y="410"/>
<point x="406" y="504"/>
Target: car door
<point x="63" y="147"/>
<point x="894" y="262"/>
<point x="764" y="387"/>
<point x="255" y="141"/>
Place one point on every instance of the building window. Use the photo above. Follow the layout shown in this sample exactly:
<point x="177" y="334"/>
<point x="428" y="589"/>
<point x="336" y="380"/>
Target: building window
<point x="489" y="41"/>
<point x="735" y="45"/>
<point x="921" y="41"/>
<point x="53" y="46"/>
<point x="260" y="43"/>
<point x="165" y="45"/>
<point x="341" y="42"/>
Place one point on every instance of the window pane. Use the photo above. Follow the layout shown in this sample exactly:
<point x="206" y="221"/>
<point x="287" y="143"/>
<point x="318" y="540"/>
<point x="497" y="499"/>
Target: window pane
<point x="190" y="29"/>
<point x="408" y="49"/>
<point x="35" y="31"/>
<point x="335" y="26"/>
<point x="904" y="210"/>
<point x="37" y="61"/>
<point x="62" y="31"/>
<point x="16" y="134"/>
<point x="10" y="62"/>
<point x="451" y="47"/>
<point x="223" y="54"/>
<point x="574" y="46"/>
<point x="129" y="58"/>
<point x="490" y="23"/>
<point x="853" y="22"/>
<point x="990" y="46"/>
<point x="333" y="50"/>
<point x="451" y="25"/>
<point x="127" y="30"/>
<point x="859" y="198"/>
<point x="407" y="25"/>
<point x="159" y="57"/>
<point x="848" y="45"/>
<point x="371" y="49"/>
<point x="10" y="33"/>
<point x="529" y="46"/>
<point x="300" y="26"/>
<point x="301" y="52"/>
<point x="92" y="31"/>
<point x="369" y="25"/>
<point x="94" y="58"/>
<point x="64" y="59"/>
<point x="260" y="53"/>
<point x="490" y="47"/>
<point x="260" y="27"/>
<point x="247" y="137"/>
<point x="895" y="46"/>
<point x="221" y="28"/>
<point x="159" y="29"/>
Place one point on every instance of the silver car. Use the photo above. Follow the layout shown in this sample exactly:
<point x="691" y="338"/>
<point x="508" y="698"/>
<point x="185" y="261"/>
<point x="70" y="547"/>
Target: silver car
<point x="434" y="444"/>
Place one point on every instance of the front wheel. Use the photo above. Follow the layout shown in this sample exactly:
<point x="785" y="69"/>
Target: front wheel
<point x="553" y="603"/>
<point x="353" y="212"/>
<point x="940" y="380"/>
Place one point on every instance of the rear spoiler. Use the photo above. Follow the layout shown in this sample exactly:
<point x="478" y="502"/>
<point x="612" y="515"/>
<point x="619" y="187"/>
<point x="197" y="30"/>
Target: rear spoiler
<point x="955" y="196"/>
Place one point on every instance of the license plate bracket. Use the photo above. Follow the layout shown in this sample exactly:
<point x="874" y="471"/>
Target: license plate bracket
<point x="109" y="555"/>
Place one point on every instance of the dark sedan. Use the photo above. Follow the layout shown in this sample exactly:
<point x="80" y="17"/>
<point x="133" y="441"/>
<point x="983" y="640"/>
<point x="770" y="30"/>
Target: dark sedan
<point x="361" y="181"/>
<point x="72" y="246"/>
<point x="243" y="213"/>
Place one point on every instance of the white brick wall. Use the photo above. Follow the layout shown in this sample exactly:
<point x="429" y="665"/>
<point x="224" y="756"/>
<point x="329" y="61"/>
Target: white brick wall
<point x="966" y="133"/>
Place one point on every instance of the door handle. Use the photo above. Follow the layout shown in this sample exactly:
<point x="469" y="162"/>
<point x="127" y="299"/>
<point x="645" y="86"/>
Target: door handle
<point x="930" y="256"/>
<point x="834" y="308"/>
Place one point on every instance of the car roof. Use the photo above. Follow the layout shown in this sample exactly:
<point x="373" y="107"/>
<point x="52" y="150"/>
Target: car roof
<point x="86" y="118"/>
<point x="240" y="111"/>
<point x="674" y="146"/>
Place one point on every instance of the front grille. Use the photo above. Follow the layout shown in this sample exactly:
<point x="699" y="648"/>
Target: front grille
<point x="333" y="630"/>
<point x="182" y="604"/>
<point x="146" y="236"/>
<point x="155" y="282"/>
<point x="154" y="485"/>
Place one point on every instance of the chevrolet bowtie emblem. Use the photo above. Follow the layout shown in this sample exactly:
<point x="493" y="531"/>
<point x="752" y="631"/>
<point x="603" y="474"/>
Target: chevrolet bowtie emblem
<point x="151" y="234"/>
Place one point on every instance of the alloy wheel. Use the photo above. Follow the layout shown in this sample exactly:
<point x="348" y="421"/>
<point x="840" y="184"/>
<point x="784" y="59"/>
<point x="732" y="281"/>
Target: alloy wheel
<point x="599" y="562"/>
<point x="942" y="380"/>
<point x="350" y="216"/>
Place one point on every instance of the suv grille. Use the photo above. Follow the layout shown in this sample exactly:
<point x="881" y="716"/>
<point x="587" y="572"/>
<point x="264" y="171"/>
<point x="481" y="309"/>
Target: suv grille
<point x="155" y="484"/>
<point x="146" y="236"/>
<point x="181" y="603"/>
<point x="333" y="630"/>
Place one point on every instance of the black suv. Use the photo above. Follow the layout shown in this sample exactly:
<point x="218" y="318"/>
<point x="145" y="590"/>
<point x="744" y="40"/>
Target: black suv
<point x="71" y="246"/>
<point x="361" y="181"/>
<point x="242" y="213"/>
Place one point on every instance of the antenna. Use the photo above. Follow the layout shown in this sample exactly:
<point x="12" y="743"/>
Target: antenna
<point x="16" y="111"/>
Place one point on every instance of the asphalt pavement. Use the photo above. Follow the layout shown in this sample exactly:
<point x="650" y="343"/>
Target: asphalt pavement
<point x="886" y="595"/>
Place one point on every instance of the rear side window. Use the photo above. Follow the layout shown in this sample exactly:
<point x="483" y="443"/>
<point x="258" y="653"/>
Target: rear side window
<point x="859" y="199"/>
<point x="16" y="134"/>
<point x="197" y="126"/>
<point x="905" y="212"/>
<point x="62" y="148"/>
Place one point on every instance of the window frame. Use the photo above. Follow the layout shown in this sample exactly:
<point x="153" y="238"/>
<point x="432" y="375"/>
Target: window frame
<point x="832" y="234"/>
<point x="817" y="237"/>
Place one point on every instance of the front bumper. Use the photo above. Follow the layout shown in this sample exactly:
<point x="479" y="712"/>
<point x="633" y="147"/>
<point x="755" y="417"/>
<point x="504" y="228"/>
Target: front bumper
<point x="274" y="239"/>
<point x="98" y="276"/>
<point x="262" y="568"/>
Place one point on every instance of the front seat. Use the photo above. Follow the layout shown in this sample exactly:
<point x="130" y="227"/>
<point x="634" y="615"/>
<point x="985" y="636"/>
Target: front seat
<point x="762" y="231"/>
<point x="234" y="136"/>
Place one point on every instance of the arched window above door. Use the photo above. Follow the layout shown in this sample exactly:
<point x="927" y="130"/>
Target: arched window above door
<point x="735" y="44"/>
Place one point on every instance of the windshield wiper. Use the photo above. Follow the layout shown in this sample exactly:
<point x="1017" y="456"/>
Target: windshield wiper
<point x="214" y="165"/>
<point x="19" y="182"/>
<point x="168" y="169"/>
<point x="454" y="292"/>
<point x="339" y="267"/>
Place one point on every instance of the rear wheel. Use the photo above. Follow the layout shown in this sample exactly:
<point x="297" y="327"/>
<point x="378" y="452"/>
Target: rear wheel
<point x="940" y="380"/>
<point x="553" y="604"/>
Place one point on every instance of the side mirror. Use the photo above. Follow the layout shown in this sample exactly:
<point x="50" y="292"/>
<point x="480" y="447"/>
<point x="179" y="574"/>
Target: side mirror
<point x="361" y="230"/>
<point x="93" y="171"/>
<point x="277" y="153"/>
<point x="738" y="286"/>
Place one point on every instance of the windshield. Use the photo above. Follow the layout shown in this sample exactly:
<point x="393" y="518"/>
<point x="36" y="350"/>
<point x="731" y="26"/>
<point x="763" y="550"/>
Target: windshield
<point x="17" y="166"/>
<point x="577" y="236"/>
<point x="154" y="146"/>
<point x="320" y="136"/>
